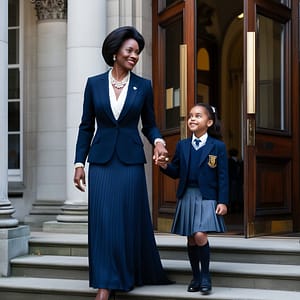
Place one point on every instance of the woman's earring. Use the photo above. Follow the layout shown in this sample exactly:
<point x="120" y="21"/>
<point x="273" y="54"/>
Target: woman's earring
<point x="114" y="58"/>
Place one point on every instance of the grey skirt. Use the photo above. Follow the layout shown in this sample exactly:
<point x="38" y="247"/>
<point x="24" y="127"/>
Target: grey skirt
<point x="193" y="214"/>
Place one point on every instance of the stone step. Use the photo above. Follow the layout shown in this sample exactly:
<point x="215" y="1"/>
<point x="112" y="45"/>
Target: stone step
<point x="264" y="250"/>
<point x="242" y="269"/>
<point x="223" y="248"/>
<point x="50" y="266"/>
<point x="239" y="275"/>
<point x="44" y="243"/>
<point x="16" y="288"/>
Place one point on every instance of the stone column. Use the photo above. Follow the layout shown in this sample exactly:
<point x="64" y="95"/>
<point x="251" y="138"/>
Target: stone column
<point x="6" y="209"/>
<point x="51" y="108"/>
<point x="86" y="32"/>
<point x="13" y="238"/>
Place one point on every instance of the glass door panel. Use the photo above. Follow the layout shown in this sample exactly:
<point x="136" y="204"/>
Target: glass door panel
<point x="163" y="4"/>
<point x="173" y="38"/>
<point x="271" y="106"/>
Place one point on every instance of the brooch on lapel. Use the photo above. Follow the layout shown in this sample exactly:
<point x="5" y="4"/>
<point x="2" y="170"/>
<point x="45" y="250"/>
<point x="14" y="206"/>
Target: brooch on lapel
<point x="212" y="161"/>
<point x="135" y="88"/>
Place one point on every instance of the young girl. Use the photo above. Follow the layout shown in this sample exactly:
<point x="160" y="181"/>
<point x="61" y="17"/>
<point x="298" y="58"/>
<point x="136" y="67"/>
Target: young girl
<point x="200" y="163"/>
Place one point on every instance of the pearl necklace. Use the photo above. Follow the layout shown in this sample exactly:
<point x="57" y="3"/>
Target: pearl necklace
<point x="118" y="84"/>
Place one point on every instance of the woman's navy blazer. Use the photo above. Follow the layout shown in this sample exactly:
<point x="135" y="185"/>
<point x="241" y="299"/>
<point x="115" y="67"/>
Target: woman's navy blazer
<point x="112" y="135"/>
<point x="213" y="169"/>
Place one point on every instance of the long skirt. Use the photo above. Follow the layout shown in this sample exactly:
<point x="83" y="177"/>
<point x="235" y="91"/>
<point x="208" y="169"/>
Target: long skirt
<point x="193" y="214"/>
<point x="122" y="247"/>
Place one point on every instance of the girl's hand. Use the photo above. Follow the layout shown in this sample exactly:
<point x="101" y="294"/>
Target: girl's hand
<point x="162" y="162"/>
<point x="221" y="209"/>
<point x="79" y="179"/>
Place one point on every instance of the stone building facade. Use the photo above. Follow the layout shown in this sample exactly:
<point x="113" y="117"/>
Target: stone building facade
<point x="48" y="50"/>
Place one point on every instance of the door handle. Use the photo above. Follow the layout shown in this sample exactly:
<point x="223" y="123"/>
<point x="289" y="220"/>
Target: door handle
<point x="183" y="90"/>
<point x="251" y="62"/>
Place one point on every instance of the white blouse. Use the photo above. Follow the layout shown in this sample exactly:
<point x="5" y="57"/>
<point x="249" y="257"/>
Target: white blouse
<point x="117" y="104"/>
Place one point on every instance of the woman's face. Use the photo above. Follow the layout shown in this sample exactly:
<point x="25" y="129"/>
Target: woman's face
<point x="128" y="55"/>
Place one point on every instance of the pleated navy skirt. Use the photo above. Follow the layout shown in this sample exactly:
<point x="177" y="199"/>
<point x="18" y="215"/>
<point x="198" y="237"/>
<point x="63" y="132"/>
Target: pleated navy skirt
<point x="193" y="214"/>
<point x="122" y="247"/>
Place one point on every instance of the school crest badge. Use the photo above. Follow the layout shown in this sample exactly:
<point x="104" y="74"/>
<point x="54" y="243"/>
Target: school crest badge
<point x="212" y="161"/>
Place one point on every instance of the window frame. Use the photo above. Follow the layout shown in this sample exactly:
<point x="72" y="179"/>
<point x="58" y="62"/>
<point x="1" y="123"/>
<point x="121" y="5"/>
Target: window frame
<point x="16" y="175"/>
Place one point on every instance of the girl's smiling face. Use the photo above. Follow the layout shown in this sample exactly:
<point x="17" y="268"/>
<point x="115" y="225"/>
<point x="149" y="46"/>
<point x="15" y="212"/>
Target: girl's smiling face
<point x="199" y="121"/>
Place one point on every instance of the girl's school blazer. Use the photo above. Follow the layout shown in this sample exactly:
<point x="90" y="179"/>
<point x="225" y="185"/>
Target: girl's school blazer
<point x="213" y="169"/>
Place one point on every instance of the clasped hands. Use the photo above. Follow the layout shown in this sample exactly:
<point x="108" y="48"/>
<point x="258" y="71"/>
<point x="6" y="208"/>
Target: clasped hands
<point x="160" y="155"/>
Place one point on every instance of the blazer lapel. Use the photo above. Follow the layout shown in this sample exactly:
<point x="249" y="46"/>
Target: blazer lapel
<point x="206" y="149"/>
<point x="104" y="96"/>
<point x="133" y="88"/>
<point x="186" y="151"/>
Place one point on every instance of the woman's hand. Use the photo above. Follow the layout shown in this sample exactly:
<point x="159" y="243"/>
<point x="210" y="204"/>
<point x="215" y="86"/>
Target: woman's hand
<point x="160" y="153"/>
<point x="221" y="209"/>
<point x="79" y="179"/>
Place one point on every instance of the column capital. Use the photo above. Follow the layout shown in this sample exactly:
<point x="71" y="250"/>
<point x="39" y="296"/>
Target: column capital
<point x="50" y="9"/>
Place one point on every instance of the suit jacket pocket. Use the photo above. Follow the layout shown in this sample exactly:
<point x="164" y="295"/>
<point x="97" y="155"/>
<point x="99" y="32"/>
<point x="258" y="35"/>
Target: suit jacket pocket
<point x="100" y="152"/>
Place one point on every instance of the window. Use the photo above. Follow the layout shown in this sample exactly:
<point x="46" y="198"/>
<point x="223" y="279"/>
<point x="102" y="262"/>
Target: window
<point x="15" y="101"/>
<point x="272" y="57"/>
<point x="173" y="37"/>
<point x="163" y="4"/>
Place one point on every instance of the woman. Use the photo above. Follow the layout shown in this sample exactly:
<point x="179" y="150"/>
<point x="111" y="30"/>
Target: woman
<point x="122" y="248"/>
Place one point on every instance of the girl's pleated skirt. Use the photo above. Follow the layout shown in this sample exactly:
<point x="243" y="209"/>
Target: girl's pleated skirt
<point x="193" y="214"/>
<point x="122" y="247"/>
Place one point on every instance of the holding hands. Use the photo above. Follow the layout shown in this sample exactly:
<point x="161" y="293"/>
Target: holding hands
<point x="160" y="155"/>
<point x="162" y="161"/>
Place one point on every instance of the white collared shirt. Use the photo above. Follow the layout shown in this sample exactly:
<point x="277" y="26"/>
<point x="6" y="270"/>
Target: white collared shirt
<point x="117" y="104"/>
<point x="203" y="139"/>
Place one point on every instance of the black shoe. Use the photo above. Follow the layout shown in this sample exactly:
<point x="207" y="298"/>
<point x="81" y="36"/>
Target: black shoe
<point x="194" y="286"/>
<point x="112" y="295"/>
<point x="205" y="287"/>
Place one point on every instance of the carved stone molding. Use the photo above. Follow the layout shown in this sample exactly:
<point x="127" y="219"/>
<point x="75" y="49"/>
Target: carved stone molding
<point x="50" y="9"/>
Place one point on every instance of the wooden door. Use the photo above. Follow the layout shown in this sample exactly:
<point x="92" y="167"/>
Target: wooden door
<point x="253" y="81"/>
<point x="271" y="117"/>
<point x="174" y="89"/>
